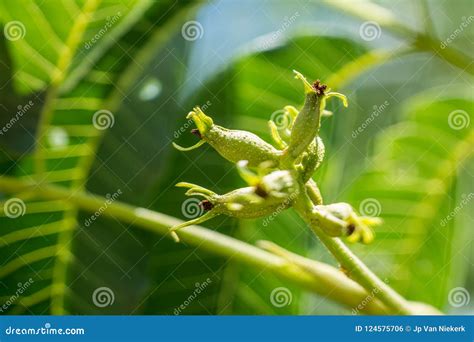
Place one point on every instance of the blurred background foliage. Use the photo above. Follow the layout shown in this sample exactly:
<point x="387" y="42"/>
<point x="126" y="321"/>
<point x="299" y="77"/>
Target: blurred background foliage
<point x="407" y="159"/>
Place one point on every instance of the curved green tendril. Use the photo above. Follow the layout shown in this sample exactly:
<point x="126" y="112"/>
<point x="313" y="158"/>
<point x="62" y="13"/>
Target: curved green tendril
<point x="190" y="148"/>
<point x="276" y="135"/>
<point x="308" y="88"/>
<point x="248" y="176"/>
<point x="207" y="216"/>
<point x="342" y="97"/>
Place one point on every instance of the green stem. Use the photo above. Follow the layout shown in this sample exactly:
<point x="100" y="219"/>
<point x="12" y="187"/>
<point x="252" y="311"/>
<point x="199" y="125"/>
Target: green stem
<point x="322" y="279"/>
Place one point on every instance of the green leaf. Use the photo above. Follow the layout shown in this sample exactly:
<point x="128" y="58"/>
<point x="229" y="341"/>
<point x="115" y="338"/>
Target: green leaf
<point x="413" y="181"/>
<point x="41" y="243"/>
<point x="43" y="49"/>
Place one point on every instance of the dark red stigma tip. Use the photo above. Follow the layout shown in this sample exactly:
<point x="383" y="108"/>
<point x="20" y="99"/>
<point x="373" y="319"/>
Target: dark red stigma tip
<point x="196" y="132"/>
<point x="259" y="191"/>
<point x="206" y="205"/>
<point x="350" y="229"/>
<point x="319" y="87"/>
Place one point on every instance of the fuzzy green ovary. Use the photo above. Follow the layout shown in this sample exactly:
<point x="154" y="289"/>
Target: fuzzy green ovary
<point x="314" y="158"/>
<point x="306" y="125"/>
<point x="256" y="210"/>
<point x="236" y="145"/>
<point x="243" y="203"/>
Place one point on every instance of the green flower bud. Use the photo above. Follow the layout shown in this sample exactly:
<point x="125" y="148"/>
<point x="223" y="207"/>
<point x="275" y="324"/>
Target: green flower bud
<point x="233" y="145"/>
<point x="329" y="223"/>
<point x="314" y="154"/>
<point x="308" y="121"/>
<point x="359" y="227"/>
<point x="306" y="126"/>
<point x="313" y="158"/>
<point x="273" y="192"/>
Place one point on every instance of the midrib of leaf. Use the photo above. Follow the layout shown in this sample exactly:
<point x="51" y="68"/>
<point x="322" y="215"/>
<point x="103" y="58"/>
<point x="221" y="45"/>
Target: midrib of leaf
<point x="59" y="74"/>
<point x="66" y="55"/>
<point x="112" y="102"/>
<point x="60" y="252"/>
<point x="78" y="72"/>
<point x="446" y="174"/>
<point x="414" y="219"/>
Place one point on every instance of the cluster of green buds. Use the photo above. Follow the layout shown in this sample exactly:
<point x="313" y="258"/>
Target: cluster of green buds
<point x="279" y="175"/>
